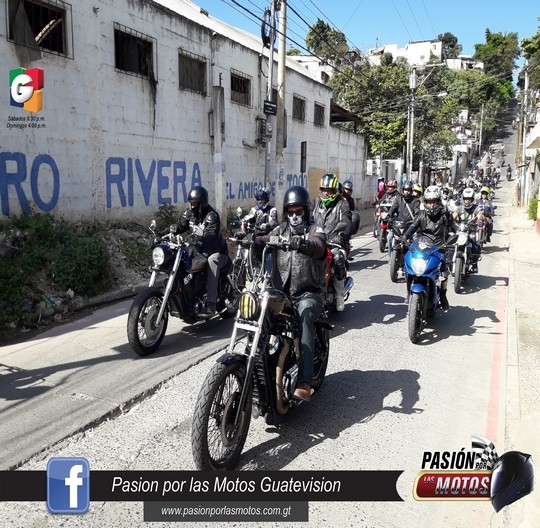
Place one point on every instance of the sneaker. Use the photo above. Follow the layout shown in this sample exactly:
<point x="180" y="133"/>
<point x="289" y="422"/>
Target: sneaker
<point x="340" y="303"/>
<point x="303" y="392"/>
<point x="488" y="239"/>
<point x="474" y="268"/>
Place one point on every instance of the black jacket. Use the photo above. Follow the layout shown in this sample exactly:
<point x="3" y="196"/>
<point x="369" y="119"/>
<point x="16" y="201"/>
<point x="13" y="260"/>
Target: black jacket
<point x="212" y="240"/>
<point x="334" y="220"/>
<point x="401" y="211"/>
<point x="436" y="227"/>
<point x="299" y="272"/>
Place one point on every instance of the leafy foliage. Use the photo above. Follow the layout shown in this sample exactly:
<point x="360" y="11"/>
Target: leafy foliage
<point x="450" y="47"/>
<point x="531" y="51"/>
<point x="326" y="42"/>
<point x="499" y="54"/>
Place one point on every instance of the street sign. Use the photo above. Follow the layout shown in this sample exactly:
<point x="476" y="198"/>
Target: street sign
<point x="270" y="108"/>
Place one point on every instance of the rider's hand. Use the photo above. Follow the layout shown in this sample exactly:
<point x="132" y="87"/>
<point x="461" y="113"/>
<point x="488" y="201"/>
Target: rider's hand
<point x="298" y="243"/>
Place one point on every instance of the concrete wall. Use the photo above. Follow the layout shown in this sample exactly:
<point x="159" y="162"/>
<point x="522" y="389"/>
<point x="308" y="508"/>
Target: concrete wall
<point x="111" y="145"/>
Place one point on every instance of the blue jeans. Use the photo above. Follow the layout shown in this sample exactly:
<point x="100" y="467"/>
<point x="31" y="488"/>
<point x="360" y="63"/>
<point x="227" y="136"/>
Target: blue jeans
<point x="310" y="310"/>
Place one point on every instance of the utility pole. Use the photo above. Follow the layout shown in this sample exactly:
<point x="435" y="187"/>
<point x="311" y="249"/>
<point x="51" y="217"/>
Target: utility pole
<point x="280" y="121"/>
<point x="269" y="126"/>
<point x="524" y="190"/>
<point x="481" y="129"/>
<point x="410" y="135"/>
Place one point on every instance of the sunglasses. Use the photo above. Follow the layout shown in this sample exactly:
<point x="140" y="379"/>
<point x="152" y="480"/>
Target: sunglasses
<point x="292" y="214"/>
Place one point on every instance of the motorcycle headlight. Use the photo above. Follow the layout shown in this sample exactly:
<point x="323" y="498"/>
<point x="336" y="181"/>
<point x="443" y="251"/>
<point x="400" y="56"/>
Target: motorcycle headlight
<point x="160" y="255"/>
<point x="248" y="305"/>
<point x="419" y="266"/>
<point x="462" y="239"/>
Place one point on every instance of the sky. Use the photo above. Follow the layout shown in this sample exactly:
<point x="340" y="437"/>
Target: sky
<point x="368" y="23"/>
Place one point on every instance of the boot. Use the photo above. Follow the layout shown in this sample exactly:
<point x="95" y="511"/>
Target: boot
<point x="210" y="310"/>
<point x="443" y="300"/>
<point x="340" y="296"/>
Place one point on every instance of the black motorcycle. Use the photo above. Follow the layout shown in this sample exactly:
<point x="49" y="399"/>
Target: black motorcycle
<point x="177" y="288"/>
<point x="258" y="373"/>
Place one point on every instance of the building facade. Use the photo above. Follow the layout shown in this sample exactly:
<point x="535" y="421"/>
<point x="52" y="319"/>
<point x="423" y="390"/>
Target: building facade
<point x="116" y="107"/>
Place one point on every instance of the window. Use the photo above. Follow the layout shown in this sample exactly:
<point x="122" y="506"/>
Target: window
<point x="192" y="71"/>
<point x="298" y="108"/>
<point x="134" y="52"/>
<point x="44" y="25"/>
<point x="240" y="88"/>
<point x="318" y="115"/>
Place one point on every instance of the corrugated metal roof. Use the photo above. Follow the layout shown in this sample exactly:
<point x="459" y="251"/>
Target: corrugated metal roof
<point x="198" y="15"/>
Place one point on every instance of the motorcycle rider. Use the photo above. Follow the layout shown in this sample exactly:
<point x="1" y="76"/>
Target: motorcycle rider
<point x="435" y="222"/>
<point x="466" y="212"/>
<point x="405" y="207"/>
<point x="301" y="273"/>
<point x="347" y="193"/>
<point x="332" y="213"/>
<point x="384" y="197"/>
<point x="484" y="203"/>
<point x="201" y="214"/>
<point x="262" y="216"/>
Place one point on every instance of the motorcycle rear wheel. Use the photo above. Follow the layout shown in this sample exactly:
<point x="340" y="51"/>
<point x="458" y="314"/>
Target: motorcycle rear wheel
<point x="415" y="317"/>
<point x="143" y="334"/>
<point x="216" y="443"/>
<point x="458" y="275"/>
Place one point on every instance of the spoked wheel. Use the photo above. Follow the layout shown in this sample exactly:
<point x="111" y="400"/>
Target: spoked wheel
<point x="219" y="427"/>
<point x="143" y="334"/>
<point x="458" y="275"/>
<point x="415" y="316"/>
<point x="230" y="294"/>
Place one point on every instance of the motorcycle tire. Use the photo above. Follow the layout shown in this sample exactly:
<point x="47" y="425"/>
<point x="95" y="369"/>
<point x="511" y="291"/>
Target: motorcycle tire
<point x="143" y="335"/>
<point x="458" y="275"/>
<point x="229" y="297"/>
<point x="320" y="356"/>
<point x="394" y="265"/>
<point x="382" y="241"/>
<point x="215" y="443"/>
<point x="415" y="317"/>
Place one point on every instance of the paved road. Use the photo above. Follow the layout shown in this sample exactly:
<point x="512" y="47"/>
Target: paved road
<point x="384" y="402"/>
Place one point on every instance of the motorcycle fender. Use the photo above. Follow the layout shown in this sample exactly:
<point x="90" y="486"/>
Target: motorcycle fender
<point x="459" y="253"/>
<point x="418" y="288"/>
<point x="229" y="359"/>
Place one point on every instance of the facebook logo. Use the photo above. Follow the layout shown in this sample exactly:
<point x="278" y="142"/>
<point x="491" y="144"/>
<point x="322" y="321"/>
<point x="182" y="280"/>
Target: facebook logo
<point x="68" y="485"/>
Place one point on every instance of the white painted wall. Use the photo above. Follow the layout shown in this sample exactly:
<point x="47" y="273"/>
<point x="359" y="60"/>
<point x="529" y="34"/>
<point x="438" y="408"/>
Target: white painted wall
<point x="98" y="151"/>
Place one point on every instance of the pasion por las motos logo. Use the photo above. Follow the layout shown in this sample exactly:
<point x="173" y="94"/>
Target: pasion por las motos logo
<point x="26" y="88"/>
<point x="475" y="475"/>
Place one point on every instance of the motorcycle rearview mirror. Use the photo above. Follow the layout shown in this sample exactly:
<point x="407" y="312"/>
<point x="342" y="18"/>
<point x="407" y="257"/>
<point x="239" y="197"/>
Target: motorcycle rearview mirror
<point x="153" y="225"/>
<point x="239" y="212"/>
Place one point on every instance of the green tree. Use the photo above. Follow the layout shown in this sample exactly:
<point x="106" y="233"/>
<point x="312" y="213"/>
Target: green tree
<point x="450" y="47"/>
<point x="326" y="42"/>
<point x="531" y="51"/>
<point x="499" y="54"/>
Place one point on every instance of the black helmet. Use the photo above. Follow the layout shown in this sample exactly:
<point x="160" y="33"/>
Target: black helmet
<point x="512" y="478"/>
<point x="407" y="186"/>
<point x="198" y="195"/>
<point x="296" y="195"/>
<point x="347" y="185"/>
<point x="262" y="195"/>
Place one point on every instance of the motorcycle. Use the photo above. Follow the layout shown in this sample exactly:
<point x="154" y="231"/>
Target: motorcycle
<point x="459" y="256"/>
<point x="397" y="249"/>
<point x="181" y="293"/>
<point x="330" y="301"/>
<point x="423" y="274"/>
<point x="508" y="174"/>
<point x="258" y="373"/>
<point x="382" y="224"/>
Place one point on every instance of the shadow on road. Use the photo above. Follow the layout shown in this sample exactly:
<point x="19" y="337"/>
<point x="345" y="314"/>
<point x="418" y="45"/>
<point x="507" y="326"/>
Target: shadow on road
<point x="359" y="396"/>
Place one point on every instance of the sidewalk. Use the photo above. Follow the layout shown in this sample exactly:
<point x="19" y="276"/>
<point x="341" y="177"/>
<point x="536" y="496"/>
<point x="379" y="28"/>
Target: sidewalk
<point x="523" y="364"/>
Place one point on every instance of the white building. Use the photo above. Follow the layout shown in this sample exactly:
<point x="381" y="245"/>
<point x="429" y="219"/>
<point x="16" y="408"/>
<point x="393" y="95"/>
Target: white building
<point x="118" y="106"/>
<point x="417" y="53"/>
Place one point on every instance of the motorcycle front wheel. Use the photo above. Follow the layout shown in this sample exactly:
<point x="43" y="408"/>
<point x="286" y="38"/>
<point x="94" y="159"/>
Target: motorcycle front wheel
<point x="458" y="275"/>
<point x="394" y="265"/>
<point x="415" y="316"/>
<point x="216" y="442"/>
<point x="382" y="240"/>
<point x="144" y="335"/>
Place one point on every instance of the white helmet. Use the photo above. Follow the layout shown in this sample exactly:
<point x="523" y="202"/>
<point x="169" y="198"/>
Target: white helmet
<point x="432" y="201"/>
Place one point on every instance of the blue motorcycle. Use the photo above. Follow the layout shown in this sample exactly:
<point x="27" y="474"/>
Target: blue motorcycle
<point x="422" y="265"/>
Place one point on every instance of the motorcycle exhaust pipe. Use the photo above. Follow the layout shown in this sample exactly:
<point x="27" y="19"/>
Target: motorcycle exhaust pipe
<point x="349" y="283"/>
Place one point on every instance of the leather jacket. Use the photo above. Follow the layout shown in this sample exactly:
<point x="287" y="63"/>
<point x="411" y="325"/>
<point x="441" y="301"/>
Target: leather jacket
<point x="212" y="240"/>
<point x="435" y="226"/>
<point x="335" y="220"/>
<point x="300" y="272"/>
<point x="399" y="208"/>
